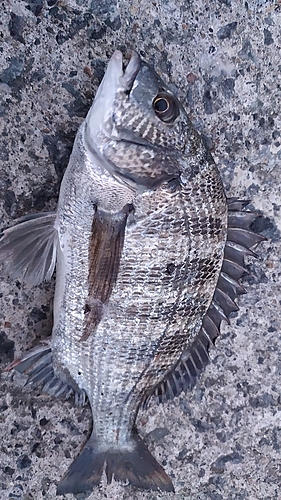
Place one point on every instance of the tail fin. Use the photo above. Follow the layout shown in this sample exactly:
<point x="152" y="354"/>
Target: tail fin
<point x="136" y="466"/>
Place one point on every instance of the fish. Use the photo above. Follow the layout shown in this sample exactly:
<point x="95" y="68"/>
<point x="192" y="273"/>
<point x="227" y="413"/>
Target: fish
<point x="148" y="252"/>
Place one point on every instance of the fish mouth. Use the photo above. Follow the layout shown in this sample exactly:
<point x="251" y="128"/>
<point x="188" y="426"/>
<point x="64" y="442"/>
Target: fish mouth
<point x="131" y="71"/>
<point x="115" y="79"/>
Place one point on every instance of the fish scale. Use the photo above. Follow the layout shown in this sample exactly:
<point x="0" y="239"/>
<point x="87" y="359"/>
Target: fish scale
<point x="148" y="254"/>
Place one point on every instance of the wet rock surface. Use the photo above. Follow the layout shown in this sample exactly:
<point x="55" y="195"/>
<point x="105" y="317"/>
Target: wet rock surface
<point x="223" y="439"/>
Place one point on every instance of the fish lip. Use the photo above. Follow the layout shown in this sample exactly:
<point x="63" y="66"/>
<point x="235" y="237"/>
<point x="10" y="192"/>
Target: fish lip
<point x="115" y="71"/>
<point x="128" y="78"/>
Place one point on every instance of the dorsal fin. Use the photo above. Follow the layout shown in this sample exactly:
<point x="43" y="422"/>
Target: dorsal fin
<point x="240" y="240"/>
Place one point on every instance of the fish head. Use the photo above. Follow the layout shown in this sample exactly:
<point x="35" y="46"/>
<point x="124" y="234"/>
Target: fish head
<point x="136" y="125"/>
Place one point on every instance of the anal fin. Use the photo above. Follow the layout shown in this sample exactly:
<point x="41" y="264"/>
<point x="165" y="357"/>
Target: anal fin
<point x="37" y="365"/>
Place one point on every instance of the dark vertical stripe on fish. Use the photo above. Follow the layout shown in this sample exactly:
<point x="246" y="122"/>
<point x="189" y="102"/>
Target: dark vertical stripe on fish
<point x="105" y="249"/>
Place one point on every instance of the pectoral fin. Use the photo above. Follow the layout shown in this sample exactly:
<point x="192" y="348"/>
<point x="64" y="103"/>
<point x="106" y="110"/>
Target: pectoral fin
<point x="28" y="249"/>
<point x="106" y="244"/>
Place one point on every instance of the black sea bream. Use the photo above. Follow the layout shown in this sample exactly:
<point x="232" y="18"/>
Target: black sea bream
<point x="148" y="254"/>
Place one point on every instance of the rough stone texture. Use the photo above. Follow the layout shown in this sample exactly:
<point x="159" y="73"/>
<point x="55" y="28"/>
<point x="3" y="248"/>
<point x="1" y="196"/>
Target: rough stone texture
<point x="222" y="440"/>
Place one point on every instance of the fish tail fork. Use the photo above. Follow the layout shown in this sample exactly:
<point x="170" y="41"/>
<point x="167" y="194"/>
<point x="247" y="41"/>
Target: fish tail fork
<point x="136" y="466"/>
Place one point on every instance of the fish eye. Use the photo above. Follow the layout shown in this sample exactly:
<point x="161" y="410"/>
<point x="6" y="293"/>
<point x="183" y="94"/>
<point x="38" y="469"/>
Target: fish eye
<point x="166" y="107"/>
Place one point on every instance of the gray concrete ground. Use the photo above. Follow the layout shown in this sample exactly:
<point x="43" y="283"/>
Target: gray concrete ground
<point x="222" y="440"/>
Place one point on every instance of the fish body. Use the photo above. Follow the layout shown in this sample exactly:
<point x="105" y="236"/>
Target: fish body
<point x="139" y="240"/>
<point x="166" y="274"/>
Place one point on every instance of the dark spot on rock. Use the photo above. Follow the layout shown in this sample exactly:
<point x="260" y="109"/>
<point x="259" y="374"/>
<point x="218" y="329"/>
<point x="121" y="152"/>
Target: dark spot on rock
<point x="253" y="189"/>
<point x="182" y="454"/>
<point x="41" y="196"/>
<point x="268" y="40"/>
<point x="23" y="462"/>
<point x="9" y="470"/>
<point x="10" y="203"/>
<point x="59" y="147"/>
<point x="158" y="434"/>
<point x="4" y="150"/>
<point x="6" y="347"/>
<point x="270" y="121"/>
<point x="207" y="101"/>
<point x="184" y="406"/>
<point x="98" y="66"/>
<point x="271" y="329"/>
<point x="50" y="30"/>
<point x="78" y="107"/>
<point x="35" y="447"/>
<point x="226" y="31"/>
<point x="37" y="315"/>
<point x="58" y="439"/>
<point x="227" y="86"/>
<point x="38" y="433"/>
<point x="114" y="24"/>
<point x="16" y="25"/>
<point x="261" y="224"/>
<point x="246" y="52"/>
<point x="68" y="424"/>
<point x="45" y="485"/>
<point x="43" y="421"/>
<point x="97" y="32"/>
<point x="219" y="465"/>
<point x="14" y="70"/>
<point x="222" y="436"/>
<point x="37" y="76"/>
<point x="262" y="401"/>
<point x="200" y="426"/>
<point x="35" y="6"/>
<point x="62" y="37"/>
<point x="103" y="9"/>
<point x="80" y="22"/>
<point x="77" y="24"/>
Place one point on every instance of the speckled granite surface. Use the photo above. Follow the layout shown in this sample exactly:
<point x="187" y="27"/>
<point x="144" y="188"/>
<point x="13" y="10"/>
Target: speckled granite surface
<point x="222" y="440"/>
